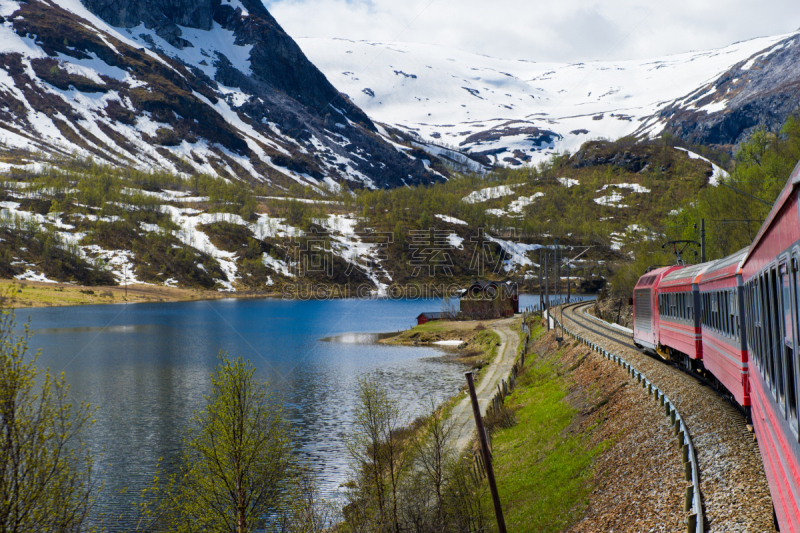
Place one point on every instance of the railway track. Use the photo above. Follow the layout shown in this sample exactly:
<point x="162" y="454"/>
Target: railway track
<point x="595" y="325"/>
<point x="732" y="481"/>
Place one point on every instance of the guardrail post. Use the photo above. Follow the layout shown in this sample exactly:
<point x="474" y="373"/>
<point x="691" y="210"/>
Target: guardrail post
<point x="691" y="523"/>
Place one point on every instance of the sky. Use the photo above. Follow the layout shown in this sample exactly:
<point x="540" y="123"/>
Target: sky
<point x="536" y="30"/>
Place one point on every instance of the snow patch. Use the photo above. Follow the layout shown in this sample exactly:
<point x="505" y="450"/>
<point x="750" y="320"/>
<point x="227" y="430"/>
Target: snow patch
<point x="716" y="172"/>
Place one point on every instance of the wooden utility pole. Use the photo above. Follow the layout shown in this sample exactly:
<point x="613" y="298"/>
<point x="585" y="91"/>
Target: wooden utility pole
<point x="487" y="456"/>
<point x="546" y="290"/>
<point x="557" y="274"/>
<point x="541" y="292"/>
<point x="568" y="287"/>
<point x="702" y="240"/>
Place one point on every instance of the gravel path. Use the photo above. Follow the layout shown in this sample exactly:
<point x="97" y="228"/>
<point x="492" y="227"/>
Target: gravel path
<point x="498" y="370"/>
<point x="732" y="480"/>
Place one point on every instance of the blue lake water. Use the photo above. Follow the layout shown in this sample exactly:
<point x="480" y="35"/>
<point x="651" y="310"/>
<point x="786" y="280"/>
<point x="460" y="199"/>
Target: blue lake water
<point x="147" y="367"/>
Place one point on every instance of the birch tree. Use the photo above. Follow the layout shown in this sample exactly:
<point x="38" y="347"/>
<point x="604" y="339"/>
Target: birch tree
<point x="47" y="480"/>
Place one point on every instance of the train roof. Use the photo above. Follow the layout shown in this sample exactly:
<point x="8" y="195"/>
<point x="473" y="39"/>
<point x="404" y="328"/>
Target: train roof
<point x="684" y="275"/>
<point x="728" y="266"/>
<point x="783" y="197"/>
<point x="652" y="277"/>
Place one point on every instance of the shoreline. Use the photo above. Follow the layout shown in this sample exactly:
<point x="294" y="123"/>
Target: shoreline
<point x="35" y="294"/>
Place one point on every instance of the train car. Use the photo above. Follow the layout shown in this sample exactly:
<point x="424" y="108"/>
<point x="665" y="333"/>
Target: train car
<point x="679" y="316"/>
<point x="723" y="338"/>
<point x="645" y="310"/>
<point x="772" y="298"/>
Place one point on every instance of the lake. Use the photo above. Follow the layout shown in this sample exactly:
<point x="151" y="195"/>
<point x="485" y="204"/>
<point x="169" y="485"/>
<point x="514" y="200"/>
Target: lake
<point x="147" y="367"/>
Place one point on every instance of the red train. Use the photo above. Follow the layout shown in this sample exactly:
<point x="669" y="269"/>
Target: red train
<point x="726" y="317"/>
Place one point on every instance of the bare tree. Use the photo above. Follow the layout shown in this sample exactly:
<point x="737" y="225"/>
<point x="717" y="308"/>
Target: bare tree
<point x="435" y="454"/>
<point x="377" y="453"/>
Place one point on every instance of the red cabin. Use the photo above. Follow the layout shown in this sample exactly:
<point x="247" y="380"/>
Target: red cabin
<point x="724" y="343"/>
<point x="424" y="318"/>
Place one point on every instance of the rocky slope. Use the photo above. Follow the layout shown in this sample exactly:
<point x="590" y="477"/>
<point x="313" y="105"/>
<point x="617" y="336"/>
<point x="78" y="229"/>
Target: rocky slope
<point x="186" y="87"/>
<point x="759" y="91"/>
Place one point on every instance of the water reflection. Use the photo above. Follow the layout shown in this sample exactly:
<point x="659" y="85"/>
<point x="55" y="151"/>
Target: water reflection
<point x="359" y="338"/>
<point x="142" y="328"/>
<point x="147" y="367"/>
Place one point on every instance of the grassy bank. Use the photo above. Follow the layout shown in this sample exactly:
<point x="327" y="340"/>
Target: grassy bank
<point x="544" y="469"/>
<point x="39" y="294"/>
<point x="478" y="343"/>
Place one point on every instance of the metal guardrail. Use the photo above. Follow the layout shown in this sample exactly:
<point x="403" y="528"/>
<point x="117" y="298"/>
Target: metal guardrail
<point x="692" y="500"/>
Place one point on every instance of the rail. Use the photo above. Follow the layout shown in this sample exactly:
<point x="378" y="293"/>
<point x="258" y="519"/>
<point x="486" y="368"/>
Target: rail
<point x="692" y="499"/>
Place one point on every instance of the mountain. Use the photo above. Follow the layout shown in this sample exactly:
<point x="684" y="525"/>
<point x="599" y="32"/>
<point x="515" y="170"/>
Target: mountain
<point x="185" y="87"/>
<point x="516" y="112"/>
<point x="760" y="90"/>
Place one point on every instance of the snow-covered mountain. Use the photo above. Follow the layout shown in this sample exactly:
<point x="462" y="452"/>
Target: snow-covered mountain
<point x="185" y="86"/>
<point x="516" y="112"/>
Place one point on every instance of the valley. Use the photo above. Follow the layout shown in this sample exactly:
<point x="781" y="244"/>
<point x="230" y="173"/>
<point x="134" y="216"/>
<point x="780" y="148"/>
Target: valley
<point x="283" y="209"/>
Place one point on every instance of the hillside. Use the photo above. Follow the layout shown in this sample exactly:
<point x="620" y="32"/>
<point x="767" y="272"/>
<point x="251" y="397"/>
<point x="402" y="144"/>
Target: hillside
<point x="194" y="145"/>
<point x="81" y="222"/>
<point x="519" y="112"/>
<point x="187" y="88"/>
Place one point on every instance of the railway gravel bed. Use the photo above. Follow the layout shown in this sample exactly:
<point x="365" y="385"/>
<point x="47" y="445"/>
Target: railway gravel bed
<point x="733" y="485"/>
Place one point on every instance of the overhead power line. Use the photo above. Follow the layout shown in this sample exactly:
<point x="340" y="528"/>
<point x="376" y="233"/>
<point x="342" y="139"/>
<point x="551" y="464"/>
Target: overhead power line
<point x="721" y="182"/>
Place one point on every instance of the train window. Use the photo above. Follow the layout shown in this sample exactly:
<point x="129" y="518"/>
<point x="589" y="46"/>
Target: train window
<point x="728" y="322"/>
<point x="775" y="324"/>
<point x="703" y="309"/>
<point x="759" y="329"/>
<point x="686" y="306"/>
<point x="766" y="343"/>
<point x="711" y="302"/>
<point x="726" y="326"/>
<point x="683" y="306"/>
<point x="788" y="345"/>
<point x="732" y="314"/>
<point x="795" y="368"/>
<point x="748" y="323"/>
<point x="757" y="340"/>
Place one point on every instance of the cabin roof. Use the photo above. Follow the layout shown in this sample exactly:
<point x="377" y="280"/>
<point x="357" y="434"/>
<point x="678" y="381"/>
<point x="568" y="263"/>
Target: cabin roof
<point x="431" y="316"/>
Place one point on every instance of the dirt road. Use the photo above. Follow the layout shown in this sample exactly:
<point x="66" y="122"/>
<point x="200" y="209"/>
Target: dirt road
<point x="499" y="369"/>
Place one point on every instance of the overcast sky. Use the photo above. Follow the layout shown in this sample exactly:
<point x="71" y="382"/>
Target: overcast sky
<point x="553" y="30"/>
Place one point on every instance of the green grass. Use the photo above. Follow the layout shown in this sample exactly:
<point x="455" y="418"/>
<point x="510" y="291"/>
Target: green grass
<point x="543" y="472"/>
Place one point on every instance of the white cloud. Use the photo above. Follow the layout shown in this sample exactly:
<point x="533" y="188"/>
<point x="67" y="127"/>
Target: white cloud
<point x="535" y="30"/>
